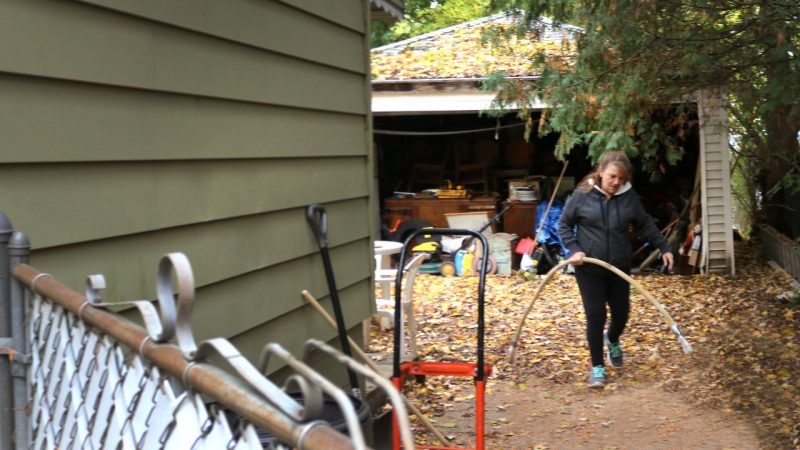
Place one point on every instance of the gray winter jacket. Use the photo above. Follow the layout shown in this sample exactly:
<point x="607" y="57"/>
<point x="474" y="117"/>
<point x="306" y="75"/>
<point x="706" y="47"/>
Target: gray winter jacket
<point x="597" y="226"/>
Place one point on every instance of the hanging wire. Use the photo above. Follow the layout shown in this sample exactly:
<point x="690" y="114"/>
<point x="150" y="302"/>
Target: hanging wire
<point x="444" y="133"/>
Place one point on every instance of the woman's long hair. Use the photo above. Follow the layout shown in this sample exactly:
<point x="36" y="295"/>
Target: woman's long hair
<point x="620" y="159"/>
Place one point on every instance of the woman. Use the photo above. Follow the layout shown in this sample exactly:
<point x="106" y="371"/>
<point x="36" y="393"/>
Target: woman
<point x="595" y="223"/>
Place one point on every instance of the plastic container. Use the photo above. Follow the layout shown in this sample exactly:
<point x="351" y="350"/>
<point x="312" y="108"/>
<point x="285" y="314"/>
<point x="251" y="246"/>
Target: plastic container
<point x="501" y="250"/>
<point x="468" y="264"/>
<point x="463" y="262"/>
<point x="503" y="262"/>
<point x="458" y="260"/>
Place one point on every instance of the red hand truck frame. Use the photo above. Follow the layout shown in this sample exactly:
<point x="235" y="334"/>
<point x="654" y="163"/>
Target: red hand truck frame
<point x="478" y="370"/>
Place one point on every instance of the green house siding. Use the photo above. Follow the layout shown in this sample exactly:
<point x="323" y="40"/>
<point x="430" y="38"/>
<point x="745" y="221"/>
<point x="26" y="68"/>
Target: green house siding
<point x="136" y="128"/>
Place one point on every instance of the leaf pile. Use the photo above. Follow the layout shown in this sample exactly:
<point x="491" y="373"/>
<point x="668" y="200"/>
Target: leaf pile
<point x="746" y="341"/>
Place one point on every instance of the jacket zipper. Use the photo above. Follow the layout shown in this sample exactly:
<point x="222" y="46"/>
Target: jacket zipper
<point x="608" y="226"/>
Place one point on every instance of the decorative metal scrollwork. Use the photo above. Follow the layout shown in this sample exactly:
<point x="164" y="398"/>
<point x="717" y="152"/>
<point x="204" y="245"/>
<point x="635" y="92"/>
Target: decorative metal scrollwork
<point x="342" y="400"/>
<point x="169" y="321"/>
<point x="159" y="330"/>
<point x="178" y="264"/>
<point x="176" y="292"/>
<point x="394" y="396"/>
<point x="249" y="374"/>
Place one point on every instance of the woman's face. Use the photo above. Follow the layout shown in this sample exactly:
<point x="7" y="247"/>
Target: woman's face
<point x="612" y="177"/>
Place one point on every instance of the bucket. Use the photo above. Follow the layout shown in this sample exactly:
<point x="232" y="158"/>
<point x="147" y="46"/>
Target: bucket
<point x="503" y="261"/>
<point x="330" y="414"/>
<point x="501" y="251"/>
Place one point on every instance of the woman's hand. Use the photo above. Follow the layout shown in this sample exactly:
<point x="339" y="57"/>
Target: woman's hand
<point x="668" y="260"/>
<point x="576" y="259"/>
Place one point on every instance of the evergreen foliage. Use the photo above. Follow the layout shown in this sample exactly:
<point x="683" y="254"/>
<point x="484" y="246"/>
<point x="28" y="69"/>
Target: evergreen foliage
<point x="424" y="16"/>
<point x="637" y="57"/>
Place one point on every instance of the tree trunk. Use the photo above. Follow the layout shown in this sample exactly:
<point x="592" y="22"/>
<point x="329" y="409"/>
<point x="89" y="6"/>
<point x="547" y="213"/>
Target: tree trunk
<point x="781" y="117"/>
<point x="782" y="147"/>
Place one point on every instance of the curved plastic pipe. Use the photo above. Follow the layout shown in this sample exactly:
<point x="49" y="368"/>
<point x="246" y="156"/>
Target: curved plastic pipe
<point x="685" y="345"/>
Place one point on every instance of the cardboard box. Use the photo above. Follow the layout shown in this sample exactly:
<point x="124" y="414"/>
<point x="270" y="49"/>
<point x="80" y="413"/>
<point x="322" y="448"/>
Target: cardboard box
<point x="470" y="221"/>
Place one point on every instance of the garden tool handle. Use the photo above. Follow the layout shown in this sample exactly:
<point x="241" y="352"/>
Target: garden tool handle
<point x="317" y="218"/>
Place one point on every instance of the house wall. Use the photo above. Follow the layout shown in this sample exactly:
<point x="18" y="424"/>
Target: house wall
<point x="134" y="128"/>
<point x="716" y="184"/>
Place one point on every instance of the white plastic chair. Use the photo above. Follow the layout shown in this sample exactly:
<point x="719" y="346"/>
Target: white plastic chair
<point x="385" y="302"/>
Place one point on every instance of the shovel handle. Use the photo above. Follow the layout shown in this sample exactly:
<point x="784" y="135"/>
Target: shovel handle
<point x="317" y="219"/>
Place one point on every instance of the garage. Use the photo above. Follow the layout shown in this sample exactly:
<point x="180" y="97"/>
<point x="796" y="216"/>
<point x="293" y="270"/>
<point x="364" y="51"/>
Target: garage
<point x="431" y="128"/>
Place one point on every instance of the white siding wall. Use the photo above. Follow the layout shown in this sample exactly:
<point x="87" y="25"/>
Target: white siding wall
<point x="716" y="184"/>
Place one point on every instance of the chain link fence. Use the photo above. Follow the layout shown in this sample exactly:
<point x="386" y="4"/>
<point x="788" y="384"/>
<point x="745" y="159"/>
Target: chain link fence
<point x="88" y="392"/>
<point x="85" y="377"/>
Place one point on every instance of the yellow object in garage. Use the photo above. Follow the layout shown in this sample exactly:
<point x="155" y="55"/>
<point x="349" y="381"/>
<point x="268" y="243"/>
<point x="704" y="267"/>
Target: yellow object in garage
<point x="452" y="192"/>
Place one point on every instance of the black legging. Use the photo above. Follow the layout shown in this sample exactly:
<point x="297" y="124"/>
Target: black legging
<point x="597" y="289"/>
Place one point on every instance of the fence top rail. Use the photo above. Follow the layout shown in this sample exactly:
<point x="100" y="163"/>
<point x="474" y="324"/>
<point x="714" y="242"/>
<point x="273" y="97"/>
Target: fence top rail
<point x="228" y="390"/>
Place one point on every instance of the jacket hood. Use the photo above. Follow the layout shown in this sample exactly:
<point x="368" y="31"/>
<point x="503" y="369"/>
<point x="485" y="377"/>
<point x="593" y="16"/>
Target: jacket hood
<point x="625" y="187"/>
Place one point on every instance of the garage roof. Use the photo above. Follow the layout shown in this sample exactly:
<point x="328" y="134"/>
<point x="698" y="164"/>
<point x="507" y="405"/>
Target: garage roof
<point x="464" y="51"/>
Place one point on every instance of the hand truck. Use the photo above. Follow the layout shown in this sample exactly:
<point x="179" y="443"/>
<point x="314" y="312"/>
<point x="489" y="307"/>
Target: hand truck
<point x="478" y="371"/>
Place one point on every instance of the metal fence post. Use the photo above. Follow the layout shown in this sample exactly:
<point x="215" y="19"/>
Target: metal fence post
<point x="19" y="248"/>
<point x="6" y="418"/>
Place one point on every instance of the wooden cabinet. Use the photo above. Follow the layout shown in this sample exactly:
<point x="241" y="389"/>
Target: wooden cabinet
<point x="433" y="210"/>
<point x="520" y="219"/>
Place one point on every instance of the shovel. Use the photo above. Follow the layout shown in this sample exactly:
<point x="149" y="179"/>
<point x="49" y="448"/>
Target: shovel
<point x="318" y="220"/>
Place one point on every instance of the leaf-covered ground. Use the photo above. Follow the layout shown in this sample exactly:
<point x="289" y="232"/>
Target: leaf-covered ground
<point x="746" y="341"/>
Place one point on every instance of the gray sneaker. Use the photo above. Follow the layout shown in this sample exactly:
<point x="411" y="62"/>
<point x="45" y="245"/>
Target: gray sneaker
<point x="614" y="351"/>
<point x="597" y="377"/>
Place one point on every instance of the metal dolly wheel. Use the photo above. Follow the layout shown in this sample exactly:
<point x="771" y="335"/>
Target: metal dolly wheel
<point x="478" y="370"/>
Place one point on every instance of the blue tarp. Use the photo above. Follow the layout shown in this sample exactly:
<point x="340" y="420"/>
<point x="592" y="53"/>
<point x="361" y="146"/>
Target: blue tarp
<point x="549" y="234"/>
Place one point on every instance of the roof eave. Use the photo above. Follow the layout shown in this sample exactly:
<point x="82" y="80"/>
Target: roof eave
<point x="447" y="80"/>
<point x="394" y="8"/>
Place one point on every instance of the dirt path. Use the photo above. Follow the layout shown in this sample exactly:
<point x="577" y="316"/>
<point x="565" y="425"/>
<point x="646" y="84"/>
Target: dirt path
<point x="545" y="415"/>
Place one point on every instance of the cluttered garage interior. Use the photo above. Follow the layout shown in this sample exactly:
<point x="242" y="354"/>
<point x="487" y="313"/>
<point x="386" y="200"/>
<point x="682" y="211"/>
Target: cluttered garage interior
<point x="467" y="170"/>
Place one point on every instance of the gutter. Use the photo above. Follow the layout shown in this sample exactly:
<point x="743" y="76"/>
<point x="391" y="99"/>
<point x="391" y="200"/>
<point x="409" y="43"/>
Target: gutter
<point x="447" y="80"/>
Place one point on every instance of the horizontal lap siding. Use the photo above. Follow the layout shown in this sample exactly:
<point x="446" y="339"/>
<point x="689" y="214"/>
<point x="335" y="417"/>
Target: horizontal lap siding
<point x="330" y="10"/>
<point x="716" y="210"/>
<point x="104" y="200"/>
<point x="94" y="45"/>
<point x="248" y="301"/>
<point x="288" y="31"/>
<point x="714" y="166"/>
<point x="132" y="129"/>
<point x="111" y="124"/>
<point x="218" y="250"/>
<point x="304" y="321"/>
<point x="717" y="204"/>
